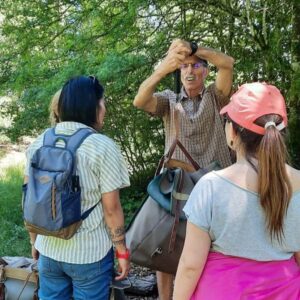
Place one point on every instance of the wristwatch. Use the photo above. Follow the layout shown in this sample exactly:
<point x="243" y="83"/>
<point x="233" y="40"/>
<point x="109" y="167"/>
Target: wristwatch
<point x="194" y="47"/>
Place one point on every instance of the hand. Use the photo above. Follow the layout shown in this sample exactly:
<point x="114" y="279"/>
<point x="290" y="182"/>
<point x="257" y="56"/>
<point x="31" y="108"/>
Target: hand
<point x="177" y="53"/>
<point x="181" y="45"/>
<point x="35" y="253"/>
<point x="123" y="268"/>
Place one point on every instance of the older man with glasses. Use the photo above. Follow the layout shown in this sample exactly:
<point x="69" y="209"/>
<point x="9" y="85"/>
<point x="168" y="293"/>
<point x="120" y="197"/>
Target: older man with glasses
<point x="201" y="128"/>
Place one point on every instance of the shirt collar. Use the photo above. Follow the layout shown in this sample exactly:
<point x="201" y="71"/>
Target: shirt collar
<point x="69" y="126"/>
<point x="183" y="95"/>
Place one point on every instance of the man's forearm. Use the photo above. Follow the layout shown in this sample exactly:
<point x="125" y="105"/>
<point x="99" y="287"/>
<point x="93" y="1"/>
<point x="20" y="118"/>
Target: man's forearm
<point x="145" y="93"/>
<point x="224" y="64"/>
<point x="215" y="57"/>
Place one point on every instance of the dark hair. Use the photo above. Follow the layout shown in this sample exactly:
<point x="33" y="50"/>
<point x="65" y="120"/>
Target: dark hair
<point x="79" y="100"/>
<point x="203" y="61"/>
<point x="274" y="186"/>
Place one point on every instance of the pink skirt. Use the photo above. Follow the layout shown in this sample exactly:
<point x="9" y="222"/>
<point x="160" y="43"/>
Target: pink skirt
<point x="232" y="278"/>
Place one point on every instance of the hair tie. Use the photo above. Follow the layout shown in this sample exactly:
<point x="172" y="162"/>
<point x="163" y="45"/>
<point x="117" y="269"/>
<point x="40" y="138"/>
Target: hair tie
<point x="268" y="124"/>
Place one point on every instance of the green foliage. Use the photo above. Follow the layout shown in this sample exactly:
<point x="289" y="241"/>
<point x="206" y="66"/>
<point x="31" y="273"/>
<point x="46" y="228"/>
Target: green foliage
<point x="131" y="199"/>
<point x="43" y="43"/>
<point x="14" y="239"/>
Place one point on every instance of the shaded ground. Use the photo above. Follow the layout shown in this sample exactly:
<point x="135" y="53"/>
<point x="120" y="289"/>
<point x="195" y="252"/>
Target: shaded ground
<point x="139" y="277"/>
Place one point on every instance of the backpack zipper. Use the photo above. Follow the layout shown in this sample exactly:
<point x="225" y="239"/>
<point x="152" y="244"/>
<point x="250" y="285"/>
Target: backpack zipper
<point x="53" y="201"/>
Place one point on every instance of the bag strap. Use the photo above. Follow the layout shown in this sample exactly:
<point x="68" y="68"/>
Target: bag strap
<point x="176" y="141"/>
<point x="167" y="157"/>
<point x="169" y="154"/>
<point x="72" y="142"/>
<point x="174" y="228"/>
<point x="78" y="137"/>
<point x="34" y="272"/>
<point x="177" y="214"/>
<point x="87" y="212"/>
<point x="24" y="285"/>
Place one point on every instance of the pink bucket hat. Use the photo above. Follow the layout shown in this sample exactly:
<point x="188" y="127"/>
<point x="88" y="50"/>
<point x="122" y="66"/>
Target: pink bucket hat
<point x="253" y="100"/>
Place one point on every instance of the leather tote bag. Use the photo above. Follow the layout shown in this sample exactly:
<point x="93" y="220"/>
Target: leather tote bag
<point x="156" y="233"/>
<point x="18" y="278"/>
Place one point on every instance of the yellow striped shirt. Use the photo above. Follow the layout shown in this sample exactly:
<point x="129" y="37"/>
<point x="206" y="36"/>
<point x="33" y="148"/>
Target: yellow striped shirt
<point x="101" y="169"/>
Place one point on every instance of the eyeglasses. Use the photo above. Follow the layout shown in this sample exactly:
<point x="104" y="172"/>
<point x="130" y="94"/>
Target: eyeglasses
<point x="197" y="65"/>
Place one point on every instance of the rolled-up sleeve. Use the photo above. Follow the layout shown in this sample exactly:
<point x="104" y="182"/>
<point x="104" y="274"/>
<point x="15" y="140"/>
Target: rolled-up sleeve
<point x="114" y="173"/>
<point x="163" y="103"/>
<point x="220" y="98"/>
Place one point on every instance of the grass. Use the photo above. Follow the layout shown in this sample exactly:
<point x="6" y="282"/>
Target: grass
<point x="14" y="239"/>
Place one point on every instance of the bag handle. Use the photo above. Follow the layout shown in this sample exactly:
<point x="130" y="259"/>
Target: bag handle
<point x="169" y="154"/>
<point x="176" y="141"/>
<point x="32" y="273"/>
<point x="165" y="158"/>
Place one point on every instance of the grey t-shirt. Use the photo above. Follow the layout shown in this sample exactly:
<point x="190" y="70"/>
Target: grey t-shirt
<point x="235" y="220"/>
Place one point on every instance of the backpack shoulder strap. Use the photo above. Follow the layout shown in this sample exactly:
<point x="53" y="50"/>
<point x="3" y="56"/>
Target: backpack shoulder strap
<point x="72" y="142"/>
<point x="76" y="139"/>
<point x="50" y="137"/>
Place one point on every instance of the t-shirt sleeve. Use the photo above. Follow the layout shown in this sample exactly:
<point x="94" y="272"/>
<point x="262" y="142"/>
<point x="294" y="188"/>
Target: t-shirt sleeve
<point x="163" y="105"/>
<point x="220" y="98"/>
<point x="114" y="173"/>
<point x="198" y="208"/>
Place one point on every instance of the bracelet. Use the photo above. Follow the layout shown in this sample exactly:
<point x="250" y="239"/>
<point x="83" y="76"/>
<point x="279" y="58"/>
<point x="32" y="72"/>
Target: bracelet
<point x="194" y="47"/>
<point x="125" y="255"/>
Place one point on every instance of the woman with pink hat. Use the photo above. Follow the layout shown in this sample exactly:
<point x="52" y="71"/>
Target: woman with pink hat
<point x="243" y="231"/>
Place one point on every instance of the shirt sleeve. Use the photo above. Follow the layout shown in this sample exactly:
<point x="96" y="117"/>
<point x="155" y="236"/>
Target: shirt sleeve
<point x="198" y="208"/>
<point x="114" y="173"/>
<point x="220" y="98"/>
<point x="163" y="105"/>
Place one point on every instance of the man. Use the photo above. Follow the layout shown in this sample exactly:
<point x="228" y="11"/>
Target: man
<point x="201" y="128"/>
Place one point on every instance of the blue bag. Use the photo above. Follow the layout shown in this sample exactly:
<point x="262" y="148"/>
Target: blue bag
<point x="51" y="198"/>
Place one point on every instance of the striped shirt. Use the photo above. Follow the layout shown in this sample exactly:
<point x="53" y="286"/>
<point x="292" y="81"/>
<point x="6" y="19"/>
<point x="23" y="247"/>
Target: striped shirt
<point x="101" y="169"/>
<point x="201" y="128"/>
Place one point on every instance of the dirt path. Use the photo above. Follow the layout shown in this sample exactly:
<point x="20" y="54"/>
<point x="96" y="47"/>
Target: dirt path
<point x="14" y="155"/>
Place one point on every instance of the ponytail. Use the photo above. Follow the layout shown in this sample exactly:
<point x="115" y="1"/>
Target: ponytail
<point x="274" y="186"/>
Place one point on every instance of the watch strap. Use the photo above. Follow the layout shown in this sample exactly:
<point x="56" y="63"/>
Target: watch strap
<point x="194" y="47"/>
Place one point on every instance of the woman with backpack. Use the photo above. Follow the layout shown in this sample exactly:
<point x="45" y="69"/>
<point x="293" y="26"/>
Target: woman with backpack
<point x="243" y="231"/>
<point x="82" y="266"/>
